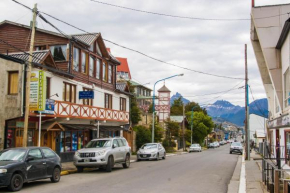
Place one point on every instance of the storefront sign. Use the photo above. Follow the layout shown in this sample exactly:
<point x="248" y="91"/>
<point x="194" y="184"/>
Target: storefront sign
<point x="86" y="95"/>
<point x="37" y="91"/>
<point x="49" y="107"/>
<point x="283" y="121"/>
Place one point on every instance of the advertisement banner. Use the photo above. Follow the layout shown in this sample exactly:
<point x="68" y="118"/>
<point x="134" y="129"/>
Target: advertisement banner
<point x="37" y="91"/>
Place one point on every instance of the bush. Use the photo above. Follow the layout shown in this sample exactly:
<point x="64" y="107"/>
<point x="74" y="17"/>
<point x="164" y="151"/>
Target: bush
<point x="143" y="135"/>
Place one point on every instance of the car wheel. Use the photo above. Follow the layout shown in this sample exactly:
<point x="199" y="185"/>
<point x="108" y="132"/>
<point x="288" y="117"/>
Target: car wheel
<point x="164" y="157"/>
<point x="110" y="164"/>
<point x="157" y="158"/>
<point x="55" y="175"/>
<point x="230" y="152"/>
<point x="127" y="162"/>
<point x="16" y="183"/>
<point x="80" y="169"/>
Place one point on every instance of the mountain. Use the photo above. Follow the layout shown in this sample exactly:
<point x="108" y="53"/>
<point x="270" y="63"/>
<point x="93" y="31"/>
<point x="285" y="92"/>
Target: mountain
<point x="176" y="96"/>
<point x="235" y="114"/>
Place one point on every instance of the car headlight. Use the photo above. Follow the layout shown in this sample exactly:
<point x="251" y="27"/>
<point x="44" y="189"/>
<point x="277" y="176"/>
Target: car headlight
<point x="77" y="154"/>
<point x="100" y="153"/>
<point x="2" y="171"/>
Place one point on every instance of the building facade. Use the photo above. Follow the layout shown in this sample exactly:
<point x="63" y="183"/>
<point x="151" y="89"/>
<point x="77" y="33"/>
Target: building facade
<point x="80" y="79"/>
<point x="270" y="40"/>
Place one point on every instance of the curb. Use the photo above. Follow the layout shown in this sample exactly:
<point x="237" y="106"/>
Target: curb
<point x="234" y="185"/>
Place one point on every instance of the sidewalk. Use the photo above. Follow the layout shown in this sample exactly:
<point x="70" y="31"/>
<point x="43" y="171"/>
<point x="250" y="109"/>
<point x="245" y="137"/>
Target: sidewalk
<point x="254" y="182"/>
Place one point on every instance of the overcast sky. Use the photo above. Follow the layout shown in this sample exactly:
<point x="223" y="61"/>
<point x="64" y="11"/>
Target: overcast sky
<point x="215" y="47"/>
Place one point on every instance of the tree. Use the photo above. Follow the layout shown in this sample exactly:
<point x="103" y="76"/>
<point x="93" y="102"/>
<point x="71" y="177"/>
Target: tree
<point x="135" y="113"/>
<point x="202" y="126"/>
<point x="143" y="135"/>
<point x="197" y="108"/>
<point x="177" y="107"/>
<point x="158" y="132"/>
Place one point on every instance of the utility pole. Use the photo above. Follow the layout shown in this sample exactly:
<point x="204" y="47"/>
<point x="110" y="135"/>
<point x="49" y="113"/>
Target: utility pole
<point x="183" y="140"/>
<point x="26" y="115"/>
<point x="247" y="108"/>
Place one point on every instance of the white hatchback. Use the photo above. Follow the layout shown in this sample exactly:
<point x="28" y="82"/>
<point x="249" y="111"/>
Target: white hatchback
<point x="195" y="147"/>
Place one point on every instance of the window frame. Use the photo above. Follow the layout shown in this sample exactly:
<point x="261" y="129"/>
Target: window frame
<point x="123" y="104"/>
<point x="78" y="60"/>
<point x="86" y="62"/>
<point x="108" y="104"/>
<point x="91" y="66"/>
<point x="9" y="82"/>
<point x="110" y="73"/>
<point x="65" y="56"/>
<point x="70" y="91"/>
<point x="98" y="68"/>
<point x="105" y="71"/>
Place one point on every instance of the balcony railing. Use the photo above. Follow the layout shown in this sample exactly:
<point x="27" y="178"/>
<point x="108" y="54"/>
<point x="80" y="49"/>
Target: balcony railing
<point x="72" y="110"/>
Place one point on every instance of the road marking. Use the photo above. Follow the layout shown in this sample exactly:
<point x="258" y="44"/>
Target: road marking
<point x="242" y="186"/>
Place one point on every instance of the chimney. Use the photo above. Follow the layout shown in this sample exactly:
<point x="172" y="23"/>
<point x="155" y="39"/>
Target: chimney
<point x="253" y="3"/>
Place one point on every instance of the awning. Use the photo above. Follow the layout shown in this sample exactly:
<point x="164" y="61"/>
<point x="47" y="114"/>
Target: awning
<point x="49" y="126"/>
<point x="92" y="127"/>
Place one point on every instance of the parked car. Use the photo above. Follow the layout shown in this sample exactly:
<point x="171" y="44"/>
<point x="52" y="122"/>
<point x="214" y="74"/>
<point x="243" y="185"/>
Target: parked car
<point x="195" y="147"/>
<point x="216" y="144"/>
<point x="151" y="151"/>
<point x="236" y="147"/>
<point x="21" y="165"/>
<point x="211" y="145"/>
<point x="103" y="153"/>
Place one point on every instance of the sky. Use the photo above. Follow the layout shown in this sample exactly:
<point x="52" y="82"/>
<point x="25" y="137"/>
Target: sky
<point x="211" y="46"/>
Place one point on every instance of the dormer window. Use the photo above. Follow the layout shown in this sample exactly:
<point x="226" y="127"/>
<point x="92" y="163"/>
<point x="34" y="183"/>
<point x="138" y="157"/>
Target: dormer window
<point x="59" y="52"/>
<point x="84" y="63"/>
<point x="98" y="50"/>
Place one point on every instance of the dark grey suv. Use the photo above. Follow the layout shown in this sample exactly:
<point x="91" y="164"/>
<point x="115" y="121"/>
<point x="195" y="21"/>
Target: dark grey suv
<point x="20" y="165"/>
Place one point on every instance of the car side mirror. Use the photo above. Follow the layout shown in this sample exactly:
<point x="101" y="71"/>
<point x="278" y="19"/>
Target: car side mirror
<point x="29" y="158"/>
<point x="114" y="146"/>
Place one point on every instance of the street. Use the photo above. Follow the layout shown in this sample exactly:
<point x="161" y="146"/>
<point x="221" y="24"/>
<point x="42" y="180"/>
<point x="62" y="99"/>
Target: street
<point x="208" y="171"/>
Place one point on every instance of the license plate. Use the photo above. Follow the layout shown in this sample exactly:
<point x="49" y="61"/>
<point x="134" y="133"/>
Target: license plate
<point x="144" y="156"/>
<point x="86" y="160"/>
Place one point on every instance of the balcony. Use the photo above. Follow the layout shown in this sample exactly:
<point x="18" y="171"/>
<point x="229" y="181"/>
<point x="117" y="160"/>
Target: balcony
<point x="71" y="110"/>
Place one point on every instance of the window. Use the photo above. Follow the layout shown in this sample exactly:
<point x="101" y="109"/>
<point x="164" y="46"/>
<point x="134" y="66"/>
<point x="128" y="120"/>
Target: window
<point x="287" y="146"/>
<point x="121" y="144"/>
<point x="91" y="66"/>
<point x="48" y="153"/>
<point x="69" y="92"/>
<point x="108" y="101"/>
<point x="68" y="141"/>
<point x="105" y="78"/>
<point x="84" y="63"/>
<point x="98" y="69"/>
<point x="122" y="104"/>
<point x="35" y="153"/>
<point x="76" y="59"/>
<point x="48" y="87"/>
<point x="277" y="106"/>
<point x="73" y="140"/>
<point x="38" y="48"/>
<point x="87" y="101"/>
<point x="110" y="73"/>
<point x="287" y="88"/>
<point x="59" y="52"/>
<point x="13" y="83"/>
<point x="115" y="142"/>
<point x="92" y="47"/>
<point x="98" y="50"/>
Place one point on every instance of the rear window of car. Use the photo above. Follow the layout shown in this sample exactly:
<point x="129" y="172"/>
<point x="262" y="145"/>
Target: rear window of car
<point x="48" y="153"/>
<point x="236" y="144"/>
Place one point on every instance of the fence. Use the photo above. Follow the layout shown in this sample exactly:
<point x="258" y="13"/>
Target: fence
<point x="274" y="177"/>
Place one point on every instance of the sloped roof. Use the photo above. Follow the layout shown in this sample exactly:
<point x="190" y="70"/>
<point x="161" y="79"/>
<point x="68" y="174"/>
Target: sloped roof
<point x="124" y="67"/>
<point x="134" y="83"/>
<point x="87" y="39"/>
<point x="284" y="34"/>
<point x="38" y="56"/>
<point x="164" y="89"/>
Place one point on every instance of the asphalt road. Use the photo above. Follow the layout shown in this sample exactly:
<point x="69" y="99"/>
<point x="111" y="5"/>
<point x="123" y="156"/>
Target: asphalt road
<point x="207" y="172"/>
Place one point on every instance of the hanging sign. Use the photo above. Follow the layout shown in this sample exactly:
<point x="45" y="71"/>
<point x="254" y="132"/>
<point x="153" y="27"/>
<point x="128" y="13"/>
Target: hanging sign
<point x="86" y="95"/>
<point x="37" y="91"/>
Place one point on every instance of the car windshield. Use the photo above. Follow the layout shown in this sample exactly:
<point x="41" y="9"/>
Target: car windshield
<point x="12" y="155"/>
<point x="149" y="146"/>
<point x="99" y="143"/>
<point x="194" y="145"/>
<point x="236" y="144"/>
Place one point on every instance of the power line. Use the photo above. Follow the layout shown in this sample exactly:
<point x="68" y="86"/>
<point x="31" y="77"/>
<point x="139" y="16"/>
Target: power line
<point x="256" y="103"/>
<point x="141" y="53"/>
<point x="211" y="93"/>
<point x="180" y="17"/>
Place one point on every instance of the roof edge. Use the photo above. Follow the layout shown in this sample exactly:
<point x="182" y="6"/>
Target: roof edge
<point x="284" y="34"/>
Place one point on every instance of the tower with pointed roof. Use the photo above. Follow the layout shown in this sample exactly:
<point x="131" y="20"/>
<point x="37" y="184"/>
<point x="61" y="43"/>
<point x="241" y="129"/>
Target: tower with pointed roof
<point x="163" y="107"/>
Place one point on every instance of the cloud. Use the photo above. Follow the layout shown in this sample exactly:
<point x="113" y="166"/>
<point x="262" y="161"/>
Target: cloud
<point x="215" y="47"/>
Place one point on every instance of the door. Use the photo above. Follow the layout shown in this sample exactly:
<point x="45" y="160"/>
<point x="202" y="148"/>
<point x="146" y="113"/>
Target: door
<point x="116" y="151"/>
<point x="18" y="137"/>
<point x="122" y="149"/>
<point x="160" y="150"/>
<point x="36" y="168"/>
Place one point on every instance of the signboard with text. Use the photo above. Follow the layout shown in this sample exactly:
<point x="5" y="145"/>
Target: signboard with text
<point x="86" y="95"/>
<point x="37" y="91"/>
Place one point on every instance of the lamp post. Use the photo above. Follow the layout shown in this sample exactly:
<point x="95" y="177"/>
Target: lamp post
<point x="153" y="115"/>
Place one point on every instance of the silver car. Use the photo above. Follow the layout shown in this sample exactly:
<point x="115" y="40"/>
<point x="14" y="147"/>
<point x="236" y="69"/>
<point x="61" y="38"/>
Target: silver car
<point x="151" y="151"/>
<point x="236" y="147"/>
<point x="194" y="147"/>
<point x="103" y="153"/>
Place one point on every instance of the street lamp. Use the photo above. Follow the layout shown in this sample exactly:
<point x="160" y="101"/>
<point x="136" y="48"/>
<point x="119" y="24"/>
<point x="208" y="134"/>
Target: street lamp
<point x="154" y="102"/>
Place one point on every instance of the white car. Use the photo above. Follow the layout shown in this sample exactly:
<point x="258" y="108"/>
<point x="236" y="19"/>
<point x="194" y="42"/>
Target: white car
<point x="151" y="151"/>
<point x="195" y="147"/>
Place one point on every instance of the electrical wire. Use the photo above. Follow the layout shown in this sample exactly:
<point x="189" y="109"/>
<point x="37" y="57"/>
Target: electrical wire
<point x="177" y="16"/>
<point x="212" y="93"/>
<point x="255" y="103"/>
